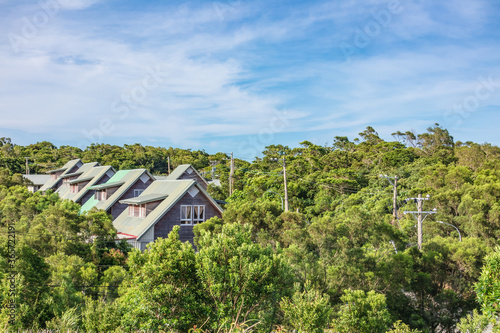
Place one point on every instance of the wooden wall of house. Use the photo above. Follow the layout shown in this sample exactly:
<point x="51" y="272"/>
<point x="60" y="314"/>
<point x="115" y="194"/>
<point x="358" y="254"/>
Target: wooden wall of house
<point x="173" y="217"/>
<point x="118" y="208"/>
<point x="73" y="169"/>
<point x="194" y="175"/>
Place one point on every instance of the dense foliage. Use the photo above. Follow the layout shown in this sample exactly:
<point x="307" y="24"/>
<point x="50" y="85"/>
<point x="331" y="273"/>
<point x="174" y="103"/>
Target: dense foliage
<point x="338" y="261"/>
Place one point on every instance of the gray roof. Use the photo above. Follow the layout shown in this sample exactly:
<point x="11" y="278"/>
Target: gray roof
<point x="92" y="176"/>
<point x="67" y="167"/>
<point x="144" y="199"/>
<point x="174" y="190"/>
<point x="56" y="170"/>
<point x="81" y="179"/>
<point x="78" y="173"/>
<point x="37" y="179"/>
<point x="105" y="186"/>
<point x="181" y="169"/>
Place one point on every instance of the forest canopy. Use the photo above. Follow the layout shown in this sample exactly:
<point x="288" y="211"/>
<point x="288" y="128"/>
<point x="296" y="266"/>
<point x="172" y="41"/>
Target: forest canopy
<point x="339" y="260"/>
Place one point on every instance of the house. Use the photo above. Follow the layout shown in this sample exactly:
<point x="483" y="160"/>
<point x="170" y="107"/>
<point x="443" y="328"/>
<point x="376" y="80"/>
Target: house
<point x="124" y="184"/>
<point x="55" y="175"/>
<point x="35" y="182"/>
<point x="187" y="171"/>
<point x="77" y="189"/>
<point x="164" y="204"/>
<point x="67" y="177"/>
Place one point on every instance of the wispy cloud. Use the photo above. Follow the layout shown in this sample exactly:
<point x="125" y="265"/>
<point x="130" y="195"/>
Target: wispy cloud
<point x="226" y="76"/>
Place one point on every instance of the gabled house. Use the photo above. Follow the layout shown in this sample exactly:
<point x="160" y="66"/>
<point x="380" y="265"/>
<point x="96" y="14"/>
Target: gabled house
<point x="77" y="189"/>
<point x="55" y="175"/>
<point x="124" y="184"/>
<point x="164" y="204"/>
<point x="187" y="171"/>
<point x="35" y="182"/>
<point x="67" y="177"/>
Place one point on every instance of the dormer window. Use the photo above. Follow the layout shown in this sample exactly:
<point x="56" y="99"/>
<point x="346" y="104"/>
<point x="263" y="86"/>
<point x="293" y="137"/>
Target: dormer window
<point x="101" y="195"/>
<point x="73" y="188"/>
<point x="137" y="210"/>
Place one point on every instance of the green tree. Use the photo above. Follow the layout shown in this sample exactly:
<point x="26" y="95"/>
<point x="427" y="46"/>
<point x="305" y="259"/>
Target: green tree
<point x="362" y="312"/>
<point x="488" y="285"/>
<point x="243" y="280"/>
<point x="308" y="310"/>
<point x="162" y="289"/>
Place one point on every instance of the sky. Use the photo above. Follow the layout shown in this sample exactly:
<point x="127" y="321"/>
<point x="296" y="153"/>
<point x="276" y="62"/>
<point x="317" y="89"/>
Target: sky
<point x="237" y="76"/>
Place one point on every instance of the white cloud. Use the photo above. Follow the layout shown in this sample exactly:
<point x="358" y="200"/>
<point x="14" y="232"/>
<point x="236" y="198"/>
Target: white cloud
<point x="76" y="4"/>
<point x="228" y="76"/>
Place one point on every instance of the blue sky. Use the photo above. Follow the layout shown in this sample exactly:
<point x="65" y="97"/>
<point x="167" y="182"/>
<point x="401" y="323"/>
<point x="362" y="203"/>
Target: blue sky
<point x="240" y="75"/>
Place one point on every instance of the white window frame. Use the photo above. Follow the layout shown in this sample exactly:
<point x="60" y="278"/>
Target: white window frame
<point x="196" y="208"/>
<point x="137" y="192"/>
<point x="140" y="213"/>
<point x="191" y="220"/>
<point x="74" y="188"/>
<point x="184" y="212"/>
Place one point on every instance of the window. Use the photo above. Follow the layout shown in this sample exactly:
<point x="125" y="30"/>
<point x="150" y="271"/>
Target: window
<point x="137" y="210"/>
<point x="137" y="193"/>
<point x="198" y="214"/>
<point x="192" y="214"/>
<point x="101" y="195"/>
<point x="73" y="188"/>
<point x="186" y="214"/>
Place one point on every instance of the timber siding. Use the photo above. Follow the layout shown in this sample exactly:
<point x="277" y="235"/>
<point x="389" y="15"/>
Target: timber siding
<point x="118" y="207"/>
<point x="173" y="217"/>
<point x="195" y="177"/>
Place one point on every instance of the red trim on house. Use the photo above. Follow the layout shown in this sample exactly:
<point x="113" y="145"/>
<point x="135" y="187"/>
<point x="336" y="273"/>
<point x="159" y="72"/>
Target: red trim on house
<point x="128" y="236"/>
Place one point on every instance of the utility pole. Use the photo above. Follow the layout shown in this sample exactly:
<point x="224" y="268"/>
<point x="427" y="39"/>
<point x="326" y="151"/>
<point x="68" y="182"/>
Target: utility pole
<point x="285" y="181"/>
<point x="213" y="164"/>
<point x="394" y="198"/>
<point x="286" y="188"/>
<point x="168" y="162"/>
<point x="27" y="167"/>
<point x="419" y="221"/>
<point x="231" y="174"/>
<point x="420" y="215"/>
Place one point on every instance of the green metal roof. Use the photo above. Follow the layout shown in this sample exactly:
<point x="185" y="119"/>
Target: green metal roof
<point x="174" y="189"/>
<point x="89" y="204"/>
<point x="125" y="177"/>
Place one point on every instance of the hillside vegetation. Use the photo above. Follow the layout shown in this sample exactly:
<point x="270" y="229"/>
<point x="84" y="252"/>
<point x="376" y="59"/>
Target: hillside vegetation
<point x="338" y="261"/>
